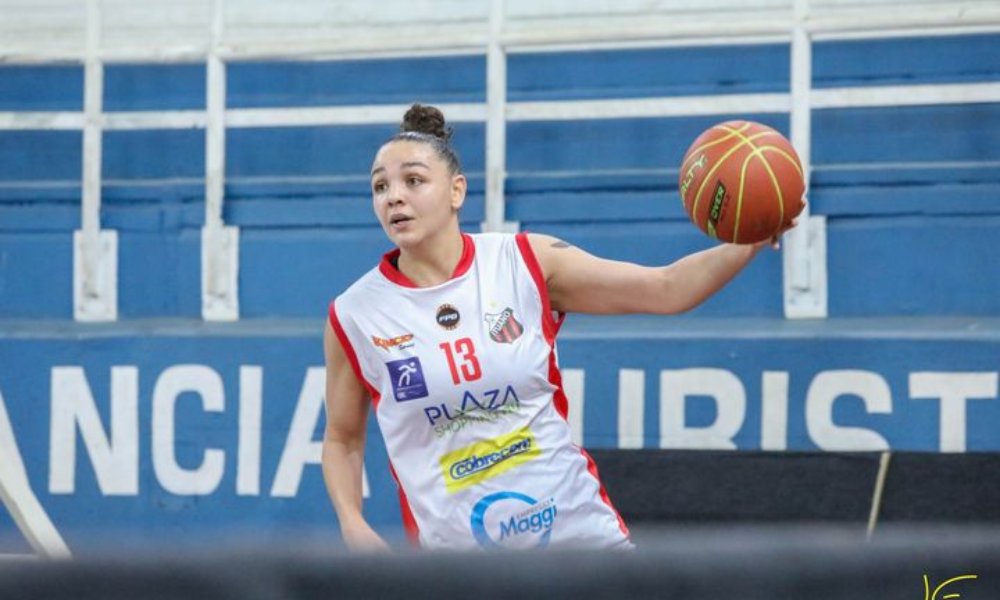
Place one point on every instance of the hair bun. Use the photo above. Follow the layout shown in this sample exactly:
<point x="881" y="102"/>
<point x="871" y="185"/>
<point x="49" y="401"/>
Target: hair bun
<point x="426" y="119"/>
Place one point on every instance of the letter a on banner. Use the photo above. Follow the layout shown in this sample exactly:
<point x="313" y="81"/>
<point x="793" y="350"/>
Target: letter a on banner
<point x="20" y="500"/>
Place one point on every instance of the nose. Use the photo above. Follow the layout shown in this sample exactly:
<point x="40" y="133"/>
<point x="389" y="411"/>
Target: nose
<point x="394" y="196"/>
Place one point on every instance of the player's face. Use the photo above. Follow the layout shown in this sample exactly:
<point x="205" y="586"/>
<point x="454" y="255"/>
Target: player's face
<point x="414" y="195"/>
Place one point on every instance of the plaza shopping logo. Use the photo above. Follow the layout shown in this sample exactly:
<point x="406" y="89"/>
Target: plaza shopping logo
<point x="513" y="520"/>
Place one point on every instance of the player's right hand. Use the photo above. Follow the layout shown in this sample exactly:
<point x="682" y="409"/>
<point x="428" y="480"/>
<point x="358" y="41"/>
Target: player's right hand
<point x="360" y="537"/>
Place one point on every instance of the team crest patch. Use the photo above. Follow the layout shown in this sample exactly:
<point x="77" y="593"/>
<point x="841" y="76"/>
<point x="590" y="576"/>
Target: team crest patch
<point x="504" y="328"/>
<point x="407" y="378"/>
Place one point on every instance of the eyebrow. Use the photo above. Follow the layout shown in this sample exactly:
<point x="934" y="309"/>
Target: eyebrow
<point x="405" y="165"/>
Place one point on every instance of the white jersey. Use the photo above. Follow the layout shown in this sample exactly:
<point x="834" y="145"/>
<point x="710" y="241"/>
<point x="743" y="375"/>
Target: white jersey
<point x="467" y="393"/>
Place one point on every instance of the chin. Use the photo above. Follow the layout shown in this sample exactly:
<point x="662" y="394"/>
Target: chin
<point x="405" y="239"/>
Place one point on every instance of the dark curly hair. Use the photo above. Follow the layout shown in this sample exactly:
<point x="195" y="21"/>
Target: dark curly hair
<point x="426" y="124"/>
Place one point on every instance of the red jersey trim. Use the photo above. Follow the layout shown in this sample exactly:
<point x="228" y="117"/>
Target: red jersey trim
<point x="409" y="521"/>
<point x="550" y="327"/>
<point x="396" y="276"/>
<point x="352" y="357"/>
<point x="592" y="467"/>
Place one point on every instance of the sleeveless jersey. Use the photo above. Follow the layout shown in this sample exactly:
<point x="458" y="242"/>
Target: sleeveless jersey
<point x="466" y="389"/>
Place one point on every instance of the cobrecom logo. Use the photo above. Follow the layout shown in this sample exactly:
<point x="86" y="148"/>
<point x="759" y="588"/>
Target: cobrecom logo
<point x="486" y="459"/>
<point x="513" y="520"/>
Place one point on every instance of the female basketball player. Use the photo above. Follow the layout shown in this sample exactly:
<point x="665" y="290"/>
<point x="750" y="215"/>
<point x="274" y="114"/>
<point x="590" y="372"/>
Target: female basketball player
<point x="452" y="337"/>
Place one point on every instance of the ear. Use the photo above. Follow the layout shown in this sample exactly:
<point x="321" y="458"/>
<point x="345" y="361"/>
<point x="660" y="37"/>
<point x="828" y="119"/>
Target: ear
<point x="459" y="186"/>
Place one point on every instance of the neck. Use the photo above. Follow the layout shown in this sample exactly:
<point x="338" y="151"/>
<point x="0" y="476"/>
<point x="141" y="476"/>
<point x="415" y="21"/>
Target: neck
<point x="432" y="262"/>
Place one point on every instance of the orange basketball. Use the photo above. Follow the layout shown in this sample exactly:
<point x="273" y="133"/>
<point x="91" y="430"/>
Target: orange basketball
<point x="741" y="182"/>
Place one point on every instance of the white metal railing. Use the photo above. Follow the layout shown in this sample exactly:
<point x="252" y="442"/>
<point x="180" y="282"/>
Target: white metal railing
<point x="803" y="263"/>
<point x="230" y="30"/>
<point x="95" y="251"/>
<point x="219" y="244"/>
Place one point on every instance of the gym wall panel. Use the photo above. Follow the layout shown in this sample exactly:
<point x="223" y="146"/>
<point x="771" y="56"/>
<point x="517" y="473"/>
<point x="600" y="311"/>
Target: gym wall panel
<point x="313" y="211"/>
<point x="153" y="195"/>
<point x="648" y="72"/>
<point x="913" y="265"/>
<point x="162" y="206"/>
<point x="41" y="88"/>
<point x="296" y="271"/>
<point x="138" y="87"/>
<point x="907" y="198"/>
<point x="611" y="144"/>
<point x="847" y="175"/>
<point x="37" y="156"/>
<point x="36" y="275"/>
<point x="911" y="134"/>
<point x="313" y="267"/>
<point x="327" y="151"/>
<point x="33" y="216"/>
<point x="159" y="274"/>
<point x="612" y="207"/>
<point x="427" y="80"/>
<point x="906" y="61"/>
<point x="333" y="204"/>
<point x="153" y="154"/>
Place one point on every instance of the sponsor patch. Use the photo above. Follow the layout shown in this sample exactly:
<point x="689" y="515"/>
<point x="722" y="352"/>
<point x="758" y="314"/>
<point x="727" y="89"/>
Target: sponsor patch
<point x="407" y="377"/>
<point x="489" y="406"/>
<point x="513" y="520"/>
<point x="448" y="316"/>
<point x="486" y="459"/>
<point x="504" y="328"/>
<point x="388" y="343"/>
<point x="715" y="212"/>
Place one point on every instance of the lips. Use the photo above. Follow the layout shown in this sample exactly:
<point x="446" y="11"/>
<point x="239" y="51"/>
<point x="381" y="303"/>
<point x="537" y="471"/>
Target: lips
<point x="397" y="219"/>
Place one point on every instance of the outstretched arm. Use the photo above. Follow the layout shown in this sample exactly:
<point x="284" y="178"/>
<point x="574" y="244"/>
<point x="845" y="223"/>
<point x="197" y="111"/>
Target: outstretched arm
<point x="581" y="282"/>
<point x="344" y="445"/>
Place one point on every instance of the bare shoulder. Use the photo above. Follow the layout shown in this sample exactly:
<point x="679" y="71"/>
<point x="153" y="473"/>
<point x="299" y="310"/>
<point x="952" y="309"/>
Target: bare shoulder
<point x="548" y="250"/>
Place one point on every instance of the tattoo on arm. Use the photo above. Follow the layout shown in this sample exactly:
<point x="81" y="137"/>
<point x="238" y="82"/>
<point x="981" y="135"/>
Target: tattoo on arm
<point x="561" y="244"/>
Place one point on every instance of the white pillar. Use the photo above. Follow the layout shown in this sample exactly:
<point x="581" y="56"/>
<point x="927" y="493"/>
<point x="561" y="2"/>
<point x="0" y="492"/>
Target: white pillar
<point x="95" y="252"/>
<point x="804" y="258"/>
<point x="496" y="124"/>
<point x="220" y="245"/>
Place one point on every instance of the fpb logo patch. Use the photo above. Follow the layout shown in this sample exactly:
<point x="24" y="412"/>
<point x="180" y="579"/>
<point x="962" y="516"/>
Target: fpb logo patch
<point x="407" y="378"/>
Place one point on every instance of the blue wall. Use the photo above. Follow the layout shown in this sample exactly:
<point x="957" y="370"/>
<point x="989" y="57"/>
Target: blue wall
<point x="911" y="194"/>
<point x="284" y="352"/>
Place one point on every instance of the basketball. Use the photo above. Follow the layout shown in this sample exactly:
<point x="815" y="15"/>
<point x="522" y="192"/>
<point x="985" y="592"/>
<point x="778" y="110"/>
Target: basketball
<point x="741" y="182"/>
